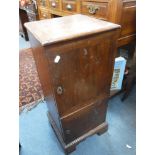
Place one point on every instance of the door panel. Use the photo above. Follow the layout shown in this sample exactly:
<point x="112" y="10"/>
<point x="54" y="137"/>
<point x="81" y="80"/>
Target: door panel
<point x="80" y="76"/>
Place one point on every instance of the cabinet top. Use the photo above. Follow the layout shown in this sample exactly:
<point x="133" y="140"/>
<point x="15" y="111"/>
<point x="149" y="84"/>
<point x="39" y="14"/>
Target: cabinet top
<point x="65" y="28"/>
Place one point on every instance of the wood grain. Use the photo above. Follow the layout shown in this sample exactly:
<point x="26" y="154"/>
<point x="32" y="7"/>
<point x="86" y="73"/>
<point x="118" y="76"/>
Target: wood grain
<point x="66" y="28"/>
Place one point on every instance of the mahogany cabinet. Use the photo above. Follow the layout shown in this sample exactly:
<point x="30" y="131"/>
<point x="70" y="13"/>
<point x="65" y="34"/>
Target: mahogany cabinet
<point x="74" y="56"/>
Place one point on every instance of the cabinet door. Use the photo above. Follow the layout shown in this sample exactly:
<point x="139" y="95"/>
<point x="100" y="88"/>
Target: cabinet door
<point x="81" y="73"/>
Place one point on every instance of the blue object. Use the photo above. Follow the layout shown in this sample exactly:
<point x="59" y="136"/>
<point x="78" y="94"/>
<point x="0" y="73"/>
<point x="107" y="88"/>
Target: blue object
<point x="118" y="73"/>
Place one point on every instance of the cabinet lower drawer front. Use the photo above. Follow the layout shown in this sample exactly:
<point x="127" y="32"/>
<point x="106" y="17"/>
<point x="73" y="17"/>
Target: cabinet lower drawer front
<point x="69" y="5"/>
<point x="83" y="121"/>
<point x="96" y="9"/>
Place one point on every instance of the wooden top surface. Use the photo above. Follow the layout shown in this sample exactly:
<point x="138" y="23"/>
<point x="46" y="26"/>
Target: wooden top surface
<point x="65" y="28"/>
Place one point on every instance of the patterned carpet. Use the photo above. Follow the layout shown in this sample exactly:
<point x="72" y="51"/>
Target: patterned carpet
<point x="30" y="91"/>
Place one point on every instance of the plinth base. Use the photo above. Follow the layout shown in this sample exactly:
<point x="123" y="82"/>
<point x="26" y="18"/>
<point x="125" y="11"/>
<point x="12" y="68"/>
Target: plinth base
<point x="70" y="147"/>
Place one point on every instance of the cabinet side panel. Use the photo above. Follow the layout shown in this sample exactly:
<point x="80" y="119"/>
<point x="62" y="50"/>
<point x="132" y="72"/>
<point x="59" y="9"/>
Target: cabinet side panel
<point x="43" y="73"/>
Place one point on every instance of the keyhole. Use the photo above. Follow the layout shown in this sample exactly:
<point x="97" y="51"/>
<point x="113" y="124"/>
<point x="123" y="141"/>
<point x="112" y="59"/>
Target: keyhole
<point x="59" y="90"/>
